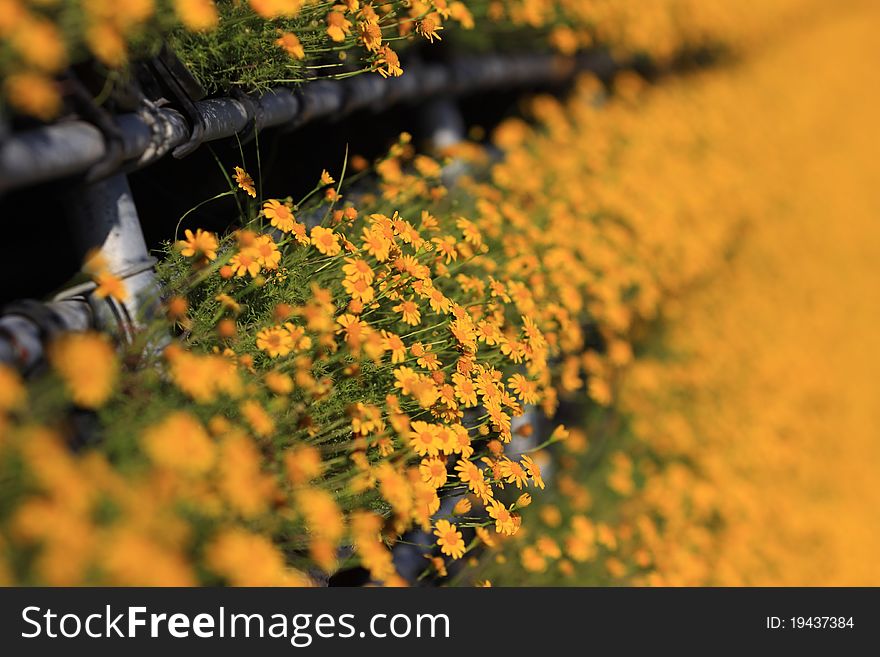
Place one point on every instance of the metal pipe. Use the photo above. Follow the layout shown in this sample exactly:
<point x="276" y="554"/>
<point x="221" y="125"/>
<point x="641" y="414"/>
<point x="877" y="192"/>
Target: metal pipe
<point x="276" y="107"/>
<point x="105" y="220"/>
<point x="73" y="147"/>
<point x="26" y="326"/>
<point x="444" y="127"/>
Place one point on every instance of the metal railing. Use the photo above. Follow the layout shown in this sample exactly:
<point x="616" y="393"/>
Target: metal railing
<point x="72" y="147"/>
<point x="106" y="217"/>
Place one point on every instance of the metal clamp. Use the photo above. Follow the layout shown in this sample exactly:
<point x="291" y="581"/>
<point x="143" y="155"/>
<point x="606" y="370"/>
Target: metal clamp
<point x="166" y="77"/>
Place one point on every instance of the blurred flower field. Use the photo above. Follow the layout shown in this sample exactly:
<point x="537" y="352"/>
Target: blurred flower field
<point x="667" y="292"/>
<point x="257" y="44"/>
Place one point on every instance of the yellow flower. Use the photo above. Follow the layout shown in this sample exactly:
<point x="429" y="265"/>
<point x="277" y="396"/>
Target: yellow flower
<point x="247" y="559"/>
<point x="358" y="289"/>
<point x="197" y="15"/>
<point x="107" y="43"/>
<point x="279" y="215"/>
<point x="202" y="244"/>
<point x="488" y="538"/>
<point x="550" y="515"/>
<point x="275" y="341"/>
<point x="428" y="28"/>
<point x="392" y="342"/>
<point x="564" y="39"/>
<point x="267" y="251"/>
<point x="532" y="560"/>
<point x="291" y="45"/>
<point x="548" y="547"/>
<point x="298" y="333"/>
<point x="387" y="63"/>
<point x="257" y="417"/>
<point x="579" y="548"/>
<point x="179" y="442"/>
<point x="358" y="269"/>
<point x="87" y="364"/>
<point x="446" y="247"/>
<point x="370" y="34"/>
<point x="299" y="232"/>
<point x="527" y="390"/>
<point x="423" y="438"/>
<point x="465" y="390"/>
<point x="303" y="464"/>
<point x="227" y="329"/>
<point x="33" y="94"/>
<point x="534" y="471"/>
<point x="449" y="539"/>
<point x="438" y="564"/>
<point x="202" y="377"/>
<point x="471" y="475"/>
<point x="462" y="507"/>
<point x="409" y="311"/>
<point x="429" y="361"/>
<point x="279" y="383"/>
<point x="245" y="488"/>
<point x="132" y="558"/>
<point x="512" y="472"/>
<point x="433" y="471"/>
<point x="109" y="285"/>
<point x="426" y="502"/>
<point x="523" y="501"/>
<point x="325" y="240"/>
<point x="376" y="244"/>
<point x="461" y="441"/>
<point x="13" y="14"/>
<point x="40" y="44"/>
<point x="459" y="12"/>
<point x="245" y="182"/>
<point x="276" y="8"/>
<point x="463" y="330"/>
<point x="12" y="390"/>
<point x="322" y="514"/>
<point x="323" y="553"/>
<point x="505" y="521"/>
<point x="228" y="302"/>
<point x="246" y="261"/>
<point x="338" y="26"/>
<point x="374" y="556"/>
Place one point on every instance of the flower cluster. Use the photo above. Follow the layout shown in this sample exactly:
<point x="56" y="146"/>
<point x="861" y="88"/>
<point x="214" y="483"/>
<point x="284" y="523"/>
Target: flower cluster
<point x="739" y="451"/>
<point x="342" y="378"/>
<point x="352" y="368"/>
<point x="259" y="43"/>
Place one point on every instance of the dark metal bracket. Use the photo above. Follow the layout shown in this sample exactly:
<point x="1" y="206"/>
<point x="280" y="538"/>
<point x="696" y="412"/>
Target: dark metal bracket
<point x="172" y="80"/>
